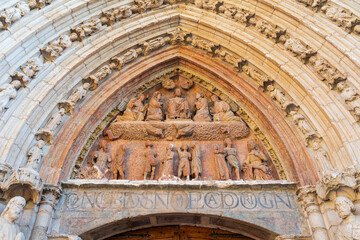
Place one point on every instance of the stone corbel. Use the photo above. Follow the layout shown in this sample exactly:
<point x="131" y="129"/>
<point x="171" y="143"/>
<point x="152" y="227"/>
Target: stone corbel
<point x="25" y="182"/>
<point x="341" y="183"/>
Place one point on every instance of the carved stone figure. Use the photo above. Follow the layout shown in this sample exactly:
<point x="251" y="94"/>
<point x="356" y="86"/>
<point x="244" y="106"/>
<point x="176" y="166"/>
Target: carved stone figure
<point x="178" y="107"/>
<point x="244" y="16"/>
<point x="178" y="35"/>
<point x="13" y="14"/>
<point x="204" y="45"/>
<point x="83" y="30"/>
<point x="221" y="111"/>
<point x="321" y="157"/>
<point x="325" y="70"/>
<point x="118" y="162"/>
<point x="280" y="97"/>
<point x="222" y="167"/>
<point x="168" y="162"/>
<point x="127" y="57"/>
<point x="154" y="110"/>
<point x="8" y="228"/>
<point x="342" y="16"/>
<point x="351" y="98"/>
<point x="313" y="3"/>
<point x="54" y="49"/>
<point x="349" y="228"/>
<point x="255" y="167"/>
<point x="150" y="161"/>
<point x="186" y="83"/>
<point x="8" y="91"/>
<point x="101" y="161"/>
<point x="185" y="131"/>
<point x="55" y="120"/>
<point x="230" y="58"/>
<point x="38" y="3"/>
<point x="303" y="124"/>
<point x="202" y="109"/>
<point x="111" y="16"/>
<point x="228" y="10"/>
<point x="30" y="69"/>
<point x="269" y="30"/>
<point x="206" y="4"/>
<point x="256" y="75"/>
<point x="231" y="158"/>
<point x="184" y="163"/>
<point x="154" y="44"/>
<point x="196" y="168"/>
<point x="298" y="48"/>
<point x="100" y="74"/>
<point x="134" y="110"/>
<point x="35" y="155"/>
<point x="75" y="97"/>
<point x="154" y="130"/>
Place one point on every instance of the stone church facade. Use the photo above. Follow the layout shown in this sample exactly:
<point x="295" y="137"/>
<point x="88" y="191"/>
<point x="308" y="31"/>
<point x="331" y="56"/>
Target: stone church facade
<point x="179" y="119"/>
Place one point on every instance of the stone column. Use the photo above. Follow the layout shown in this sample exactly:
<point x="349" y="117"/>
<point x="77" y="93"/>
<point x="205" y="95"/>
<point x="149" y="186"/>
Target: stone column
<point x="49" y="199"/>
<point x="308" y="199"/>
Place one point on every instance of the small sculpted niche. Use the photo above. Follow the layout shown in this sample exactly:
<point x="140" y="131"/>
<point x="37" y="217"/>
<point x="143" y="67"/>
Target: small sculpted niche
<point x="177" y="130"/>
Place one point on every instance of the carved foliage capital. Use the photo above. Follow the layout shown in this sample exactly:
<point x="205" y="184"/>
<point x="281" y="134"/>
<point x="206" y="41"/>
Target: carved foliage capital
<point x="51" y="194"/>
<point x="307" y="197"/>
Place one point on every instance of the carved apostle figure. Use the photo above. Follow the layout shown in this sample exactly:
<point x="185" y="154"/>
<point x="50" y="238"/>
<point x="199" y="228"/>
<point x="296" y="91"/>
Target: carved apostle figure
<point x="255" y="74"/>
<point x="154" y="110"/>
<point x="196" y="168"/>
<point x="8" y="228"/>
<point x="55" y="120"/>
<point x="150" y="161"/>
<point x="54" y="49"/>
<point x="154" y="44"/>
<point x="302" y="123"/>
<point x="85" y="29"/>
<point x="168" y="162"/>
<point x="8" y="92"/>
<point x="184" y="163"/>
<point x="222" y="167"/>
<point x="202" y="108"/>
<point x="298" y="48"/>
<point x="118" y="161"/>
<point x="231" y="158"/>
<point x="101" y="160"/>
<point x="35" y="155"/>
<point x="255" y="167"/>
<point x="178" y="107"/>
<point x="351" y="97"/>
<point x="342" y="16"/>
<point x="134" y="110"/>
<point x="79" y="93"/>
<point x="221" y="111"/>
<point x="279" y="96"/>
<point x="321" y="157"/>
<point x="349" y="228"/>
<point x="325" y="70"/>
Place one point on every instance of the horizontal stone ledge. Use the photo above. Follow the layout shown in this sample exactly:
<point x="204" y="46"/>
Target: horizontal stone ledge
<point x="203" y="185"/>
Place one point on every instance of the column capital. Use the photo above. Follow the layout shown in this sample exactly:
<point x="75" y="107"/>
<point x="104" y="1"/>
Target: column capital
<point x="51" y="193"/>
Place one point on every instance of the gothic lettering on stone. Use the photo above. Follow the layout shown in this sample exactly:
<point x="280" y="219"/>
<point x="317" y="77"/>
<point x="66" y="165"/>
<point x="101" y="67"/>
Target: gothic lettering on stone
<point x="349" y="228"/>
<point x="222" y="168"/>
<point x="28" y="71"/>
<point x="280" y="97"/>
<point x="8" y="91"/>
<point x="85" y="29"/>
<point x="302" y="124"/>
<point x="134" y="110"/>
<point x="231" y="158"/>
<point x="9" y="230"/>
<point x="255" y="167"/>
<point x="343" y="17"/>
<point x="184" y="162"/>
<point x="154" y="110"/>
<point x="196" y="165"/>
<point x="35" y="155"/>
<point x="270" y="31"/>
<point x="150" y="161"/>
<point x="13" y="14"/>
<point x="168" y="163"/>
<point x="202" y="109"/>
<point x="54" y="49"/>
<point x="178" y="107"/>
<point x="221" y="111"/>
<point x="326" y="71"/>
<point x="298" y="48"/>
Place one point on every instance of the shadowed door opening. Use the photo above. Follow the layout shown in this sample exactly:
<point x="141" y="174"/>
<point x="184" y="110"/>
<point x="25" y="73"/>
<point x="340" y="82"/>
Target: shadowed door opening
<point x="179" y="233"/>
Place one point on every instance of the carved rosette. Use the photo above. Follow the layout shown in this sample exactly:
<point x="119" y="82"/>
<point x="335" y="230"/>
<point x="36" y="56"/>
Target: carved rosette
<point x="25" y="182"/>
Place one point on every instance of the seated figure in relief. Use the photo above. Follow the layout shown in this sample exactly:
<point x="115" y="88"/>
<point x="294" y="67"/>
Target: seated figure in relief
<point x="13" y="210"/>
<point x="154" y="110"/>
<point x="202" y="108"/>
<point x="255" y="167"/>
<point x="178" y="107"/>
<point x="221" y="111"/>
<point x="134" y="110"/>
<point x="349" y="228"/>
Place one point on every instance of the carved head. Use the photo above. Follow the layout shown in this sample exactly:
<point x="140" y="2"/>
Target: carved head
<point x="341" y="86"/>
<point x="228" y="142"/>
<point x="62" y="111"/>
<point x="86" y="86"/>
<point x="184" y="147"/>
<point x="177" y="92"/>
<point x="270" y="87"/>
<point x="199" y="95"/>
<point x="344" y="207"/>
<point x="16" y="84"/>
<point x="251" y="145"/>
<point x="141" y="97"/>
<point x="14" y="208"/>
<point x="40" y="144"/>
<point x="148" y="144"/>
<point x="169" y="147"/>
<point x="157" y="95"/>
<point x="73" y="37"/>
<point x="215" y="98"/>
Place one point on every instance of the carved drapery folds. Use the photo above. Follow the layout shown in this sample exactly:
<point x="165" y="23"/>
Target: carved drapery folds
<point x="9" y="230"/>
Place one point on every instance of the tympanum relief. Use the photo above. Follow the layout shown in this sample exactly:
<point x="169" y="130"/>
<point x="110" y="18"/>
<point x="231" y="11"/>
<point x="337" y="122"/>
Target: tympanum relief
<point x="177" y="130"/>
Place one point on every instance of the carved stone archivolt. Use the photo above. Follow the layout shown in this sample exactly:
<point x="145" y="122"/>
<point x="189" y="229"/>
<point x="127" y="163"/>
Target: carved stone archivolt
<point x="182" y="133"/>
